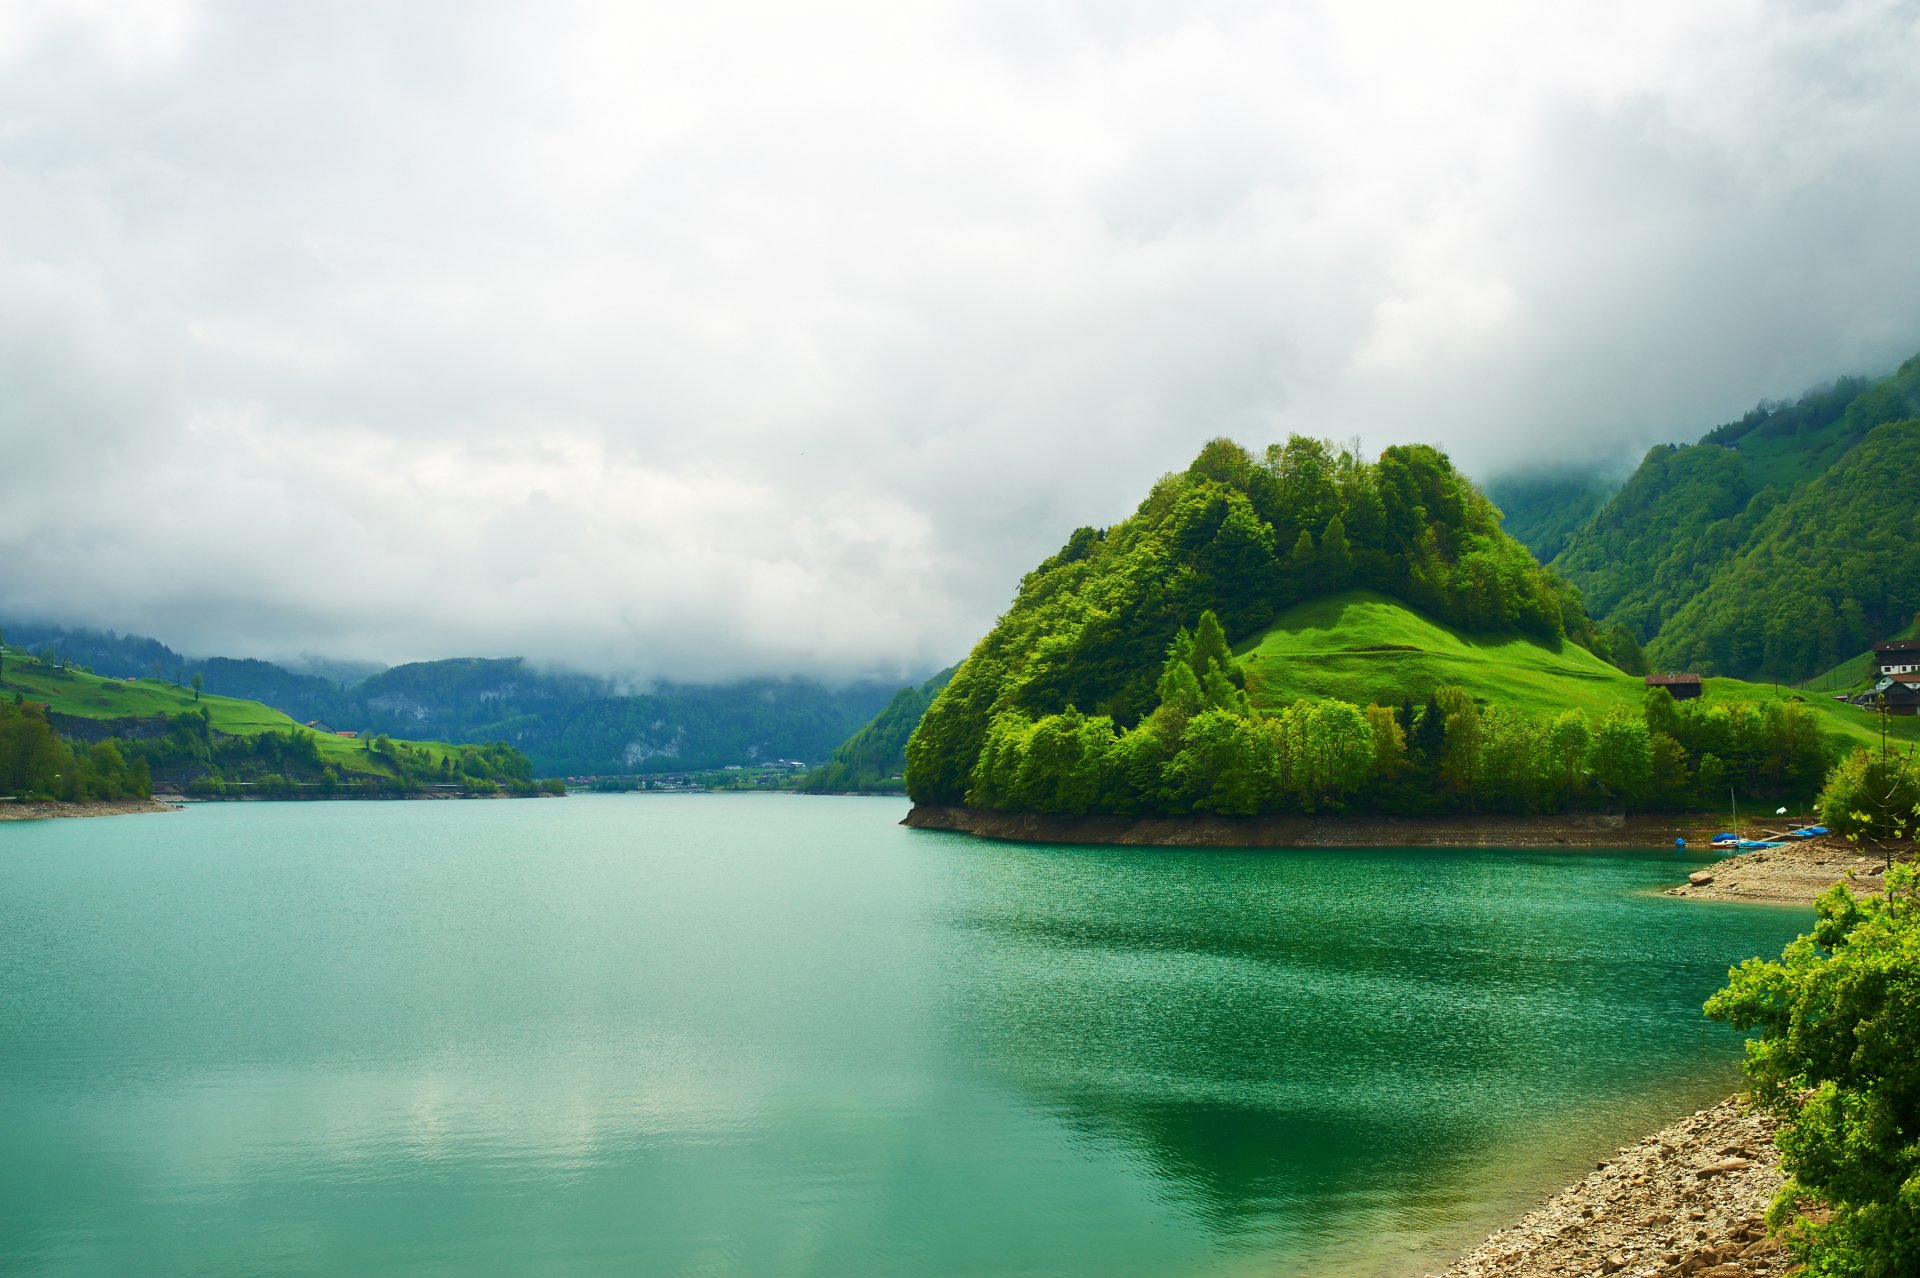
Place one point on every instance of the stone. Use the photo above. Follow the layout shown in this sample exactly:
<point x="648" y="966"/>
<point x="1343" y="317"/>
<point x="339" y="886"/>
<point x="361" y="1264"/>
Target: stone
<point x="1700" y="878"/>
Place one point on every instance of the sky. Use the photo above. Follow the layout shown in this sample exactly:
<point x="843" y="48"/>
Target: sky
<point x="698" y="341"/>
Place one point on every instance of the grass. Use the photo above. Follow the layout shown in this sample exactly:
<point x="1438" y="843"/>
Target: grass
<point x="1364" y="647"/>
<point x="90" y="696"/>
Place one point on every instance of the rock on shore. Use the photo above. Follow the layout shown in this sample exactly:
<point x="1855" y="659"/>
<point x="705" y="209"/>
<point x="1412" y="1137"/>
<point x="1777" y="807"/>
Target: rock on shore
<point x="1688" y="1200"/>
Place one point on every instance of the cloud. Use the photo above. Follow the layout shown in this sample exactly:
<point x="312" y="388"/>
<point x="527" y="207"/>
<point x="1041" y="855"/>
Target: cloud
<point x="698" y="342"/>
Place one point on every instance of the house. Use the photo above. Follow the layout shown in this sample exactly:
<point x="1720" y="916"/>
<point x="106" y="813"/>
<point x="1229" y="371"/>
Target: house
<point x="1684" y="687"/>
<point x="318" y="726"/>
<point x="1896" y="657"/>
<point x="348" y="735"/>
<point x="1898" y="696"/>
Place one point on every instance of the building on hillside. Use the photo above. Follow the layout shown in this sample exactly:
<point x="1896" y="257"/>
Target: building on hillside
<point x="1684" y="687"/>
<point x="348" y="735"/>
<point x="1897" y="695"/>
<point x="319" y="726"/>
<point x="1896" y="657"/>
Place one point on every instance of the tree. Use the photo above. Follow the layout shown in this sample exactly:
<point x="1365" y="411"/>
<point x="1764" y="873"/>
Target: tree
<point x="1835" y="1058"/>
<point x="1622" y="754"/>
<point x="1568" y="740"/>
<point x="1871" y="794"/>
<point x="1626" y="650"/>
<point x="199" y="682"/>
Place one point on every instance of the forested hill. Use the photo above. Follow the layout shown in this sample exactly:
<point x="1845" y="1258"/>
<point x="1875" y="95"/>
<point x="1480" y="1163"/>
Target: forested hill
<point x="875" y="757"/>
<point x="1776" y="546"/>
<point x="1243" y="538"/>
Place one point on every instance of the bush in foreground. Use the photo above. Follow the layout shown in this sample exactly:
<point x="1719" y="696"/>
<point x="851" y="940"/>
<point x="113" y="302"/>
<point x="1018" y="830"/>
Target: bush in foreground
<point x="1838" y="1057"/>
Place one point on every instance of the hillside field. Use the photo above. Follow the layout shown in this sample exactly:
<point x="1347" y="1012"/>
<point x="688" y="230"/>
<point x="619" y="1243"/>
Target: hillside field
<point x="1363" y="647"/>
<point x="89" y="696"/>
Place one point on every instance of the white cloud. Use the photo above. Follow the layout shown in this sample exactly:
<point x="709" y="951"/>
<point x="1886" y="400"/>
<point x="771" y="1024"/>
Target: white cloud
<point x="700" y="340"/>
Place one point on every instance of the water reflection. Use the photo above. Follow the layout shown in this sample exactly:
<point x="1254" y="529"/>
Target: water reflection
<point x="1294" y="1043"/>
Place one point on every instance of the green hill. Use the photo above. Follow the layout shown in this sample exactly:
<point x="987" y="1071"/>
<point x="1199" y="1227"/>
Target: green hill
<point x="186" y="738"/>
<point x="1244" y="538"/>
<point x="1404" y="656"/>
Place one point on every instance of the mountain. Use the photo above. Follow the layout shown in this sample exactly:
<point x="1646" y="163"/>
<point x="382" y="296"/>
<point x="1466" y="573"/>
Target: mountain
<point x="1824" y="573"/>
<point x="567" y="723"/>
<point x="1771" y="547"/>
<point x="875" y="757"/>
<point x="1543" y="509"/>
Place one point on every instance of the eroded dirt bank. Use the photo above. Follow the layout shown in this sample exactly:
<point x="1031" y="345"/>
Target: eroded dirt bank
<point x="1593" y="830"/>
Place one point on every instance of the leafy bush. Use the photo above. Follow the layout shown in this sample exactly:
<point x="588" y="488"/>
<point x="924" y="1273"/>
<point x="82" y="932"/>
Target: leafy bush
<point x="1838" y="1057"/>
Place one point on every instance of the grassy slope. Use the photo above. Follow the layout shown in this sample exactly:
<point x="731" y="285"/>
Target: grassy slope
<point x="74" y="692"/>
<point x="1363" y="647"/>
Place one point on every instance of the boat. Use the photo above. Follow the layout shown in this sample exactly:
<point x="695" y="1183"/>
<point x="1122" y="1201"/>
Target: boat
<point x="1724" y="840"/>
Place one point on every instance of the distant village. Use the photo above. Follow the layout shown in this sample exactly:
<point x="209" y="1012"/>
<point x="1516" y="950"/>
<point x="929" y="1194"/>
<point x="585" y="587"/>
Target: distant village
<point x="775" y="774"/>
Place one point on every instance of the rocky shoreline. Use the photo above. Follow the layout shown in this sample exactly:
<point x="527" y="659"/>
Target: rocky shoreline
<point x="98" y="807"/>
<point x="1688" y="1200"/>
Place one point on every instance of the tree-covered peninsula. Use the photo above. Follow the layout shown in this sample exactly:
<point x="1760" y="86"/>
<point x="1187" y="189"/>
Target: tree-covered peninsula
<point x="1308" y="631"/>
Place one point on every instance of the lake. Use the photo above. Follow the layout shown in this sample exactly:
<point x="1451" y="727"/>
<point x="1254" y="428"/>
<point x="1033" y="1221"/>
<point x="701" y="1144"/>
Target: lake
<point x="782" y="1035"/>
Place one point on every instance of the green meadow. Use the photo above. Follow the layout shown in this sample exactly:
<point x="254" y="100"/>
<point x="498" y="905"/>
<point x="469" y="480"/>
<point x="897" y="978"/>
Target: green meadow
<point x="75" y="692"/>
<point x="1363" y="647"/>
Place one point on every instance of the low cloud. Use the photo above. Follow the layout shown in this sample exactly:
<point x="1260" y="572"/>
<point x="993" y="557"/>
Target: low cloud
<point x="694" y="343"/>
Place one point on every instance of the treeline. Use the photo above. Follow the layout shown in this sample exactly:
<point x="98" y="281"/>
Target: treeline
<point x="35" y="763"/>
<point x="1243" y="538"/>
<point x="1204" y="748"/>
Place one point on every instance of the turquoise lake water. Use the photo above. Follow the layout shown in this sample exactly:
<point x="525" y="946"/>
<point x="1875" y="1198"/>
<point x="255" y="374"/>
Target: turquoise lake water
<point x="779" y="1035"/>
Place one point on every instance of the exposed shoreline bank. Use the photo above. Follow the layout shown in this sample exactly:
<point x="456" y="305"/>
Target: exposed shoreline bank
<point x="42" y="811"/>
<point x="1575" y="830"/>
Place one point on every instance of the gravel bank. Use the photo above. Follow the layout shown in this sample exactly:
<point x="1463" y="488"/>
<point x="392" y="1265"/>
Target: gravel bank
<point x="1795" y="873"/>
<point x="104" y="807"/>
<point x="1688" y="1200"/>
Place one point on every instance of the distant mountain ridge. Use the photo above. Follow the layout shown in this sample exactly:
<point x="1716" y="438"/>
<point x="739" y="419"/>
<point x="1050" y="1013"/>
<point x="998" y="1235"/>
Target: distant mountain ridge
<point x="1779" y="545"/>
<point x="565" y="723"/>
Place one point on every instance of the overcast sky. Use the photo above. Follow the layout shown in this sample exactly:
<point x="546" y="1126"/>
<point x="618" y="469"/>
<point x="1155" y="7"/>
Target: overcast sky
<point x="708" y="339"/>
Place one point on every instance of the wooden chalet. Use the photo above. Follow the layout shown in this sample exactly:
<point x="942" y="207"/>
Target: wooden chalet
<point x="1896" y="657"/>
<point x="1683" y="687"/>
